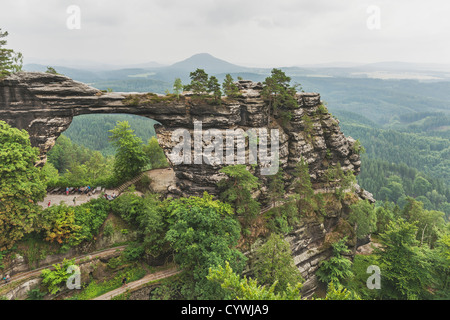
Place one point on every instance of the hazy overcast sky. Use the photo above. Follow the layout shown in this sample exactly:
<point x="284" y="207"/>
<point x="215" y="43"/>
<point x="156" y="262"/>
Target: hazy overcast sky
<point x="269" y="33"/>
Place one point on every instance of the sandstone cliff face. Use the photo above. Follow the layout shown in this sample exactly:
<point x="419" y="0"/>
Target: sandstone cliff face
<point x="45" y="104"/>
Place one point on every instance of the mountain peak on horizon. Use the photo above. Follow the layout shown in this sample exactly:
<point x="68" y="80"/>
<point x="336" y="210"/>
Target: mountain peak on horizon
<point x="207" y="62"/>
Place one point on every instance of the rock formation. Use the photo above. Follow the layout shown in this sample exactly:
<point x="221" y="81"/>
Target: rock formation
<point x="45" y="104"/>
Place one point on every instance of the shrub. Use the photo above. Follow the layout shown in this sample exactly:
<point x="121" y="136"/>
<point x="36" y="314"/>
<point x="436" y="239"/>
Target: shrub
<point x="133" y="252"/>
<point x="52" y="279"/>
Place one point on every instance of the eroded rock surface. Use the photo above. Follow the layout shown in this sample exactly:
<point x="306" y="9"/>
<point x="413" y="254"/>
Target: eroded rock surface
<point x="45" y="104"/>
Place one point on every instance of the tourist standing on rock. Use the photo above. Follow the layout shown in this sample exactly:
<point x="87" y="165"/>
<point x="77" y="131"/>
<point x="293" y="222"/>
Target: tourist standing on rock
<point x="6" y="278"/>
<point x="74" y="200"/>
<point x="49" y="203"/>
<point x="67" y="191"/>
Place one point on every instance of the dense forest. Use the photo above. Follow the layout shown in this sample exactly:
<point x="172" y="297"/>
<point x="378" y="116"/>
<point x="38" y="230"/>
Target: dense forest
<point x="92" y="131"/>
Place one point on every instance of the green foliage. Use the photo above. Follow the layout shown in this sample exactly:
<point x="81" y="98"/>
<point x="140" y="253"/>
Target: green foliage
<point x="238" y="288"/>
<point x="77" y="166"/>
<point x="97" y="288"/>
<point x="405" y="267"/>
<point x="442" y="267"/>
<point x="22" y="185"/>
<point x="430" y="223"/>
<point x="146" y="214"/>
<point x="92" y="130"/>
<point x="10" y="61"/>
<point x="276" y="190"/>
<point x="358" y="282"/>
<point x="404" y="152"/>
<point x="358" y="148"/>
<point x="90" y="217"/>
<point x="58" y="223"/>
<point x="363" y="217"/>
<point x="51" y="70"/>
<point x="169" y="289"/>
<point x="199" y="82"/>
<point x="302" y="186"/>
<point x="35" y="294"/>
<point x="230" y="89"/>
<point x="278" y="91"/>
<point x="72" y="225"/>
<point x="274" y="264"/>
<point x="53" y="279"/>
<point x="108" y="230"/>
<point x="130" y="157"/>
<point x="203" y="234"/>
<point x="177" y="87"/>
<point x="338" y="267"/>
<point x="384" y="215"/>
<point x="134" y="252"/>
<point x="214" y="88"/>
<point x="237" y="189"/>
<point x="284" y="214"/>
<point x="283" y="218"/>
<point x="308" y="126"/>
<point x="156" y="154"/>
<point x="395" y="182"/>
<point x="338" y="292"/>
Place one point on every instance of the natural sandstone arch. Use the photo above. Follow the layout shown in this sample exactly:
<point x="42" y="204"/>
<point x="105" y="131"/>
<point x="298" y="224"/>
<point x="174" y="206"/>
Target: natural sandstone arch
<point x="45" y="104"/>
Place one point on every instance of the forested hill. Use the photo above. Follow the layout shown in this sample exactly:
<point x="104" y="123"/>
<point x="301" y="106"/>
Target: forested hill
<point x="405" y="162"/>
<point x="92" y="131"/>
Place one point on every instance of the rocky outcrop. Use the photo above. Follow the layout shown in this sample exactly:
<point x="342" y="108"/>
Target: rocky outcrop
<point x="45" y="104"/>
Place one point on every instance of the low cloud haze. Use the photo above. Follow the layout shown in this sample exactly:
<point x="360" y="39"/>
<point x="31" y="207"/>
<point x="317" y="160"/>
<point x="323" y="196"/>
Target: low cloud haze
<point x="255" y="33"/>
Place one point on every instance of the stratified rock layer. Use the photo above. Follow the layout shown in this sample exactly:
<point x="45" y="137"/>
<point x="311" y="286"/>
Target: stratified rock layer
<point x="45" y="104"/>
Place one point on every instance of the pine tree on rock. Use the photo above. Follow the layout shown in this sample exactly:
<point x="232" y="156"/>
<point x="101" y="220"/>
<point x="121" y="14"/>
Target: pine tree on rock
<point x="230" y="89"/>
<point x="10" y="61"/>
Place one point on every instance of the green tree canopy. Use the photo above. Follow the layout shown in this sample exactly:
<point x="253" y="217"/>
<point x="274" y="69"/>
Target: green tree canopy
<point x="199" y="82"/>
<point x="214" y="88"/>
<point x="278" y="91"/>
<point x="405" y="268"/>
<point x="338" y="267"/>
<point x="274" y="264"/>
<point x="130" y="157"/>
<point x="156" y="154"/>
<point x="230" y="89"/>
<point x="364" y="218"/>
<point x="203" y="234"/>
<point x="177" y="87"/>
<point x="10" y="61"/>
<point x="238" y="288"/>
<point x="22" y="185"/>
<point x="237" y="189"/>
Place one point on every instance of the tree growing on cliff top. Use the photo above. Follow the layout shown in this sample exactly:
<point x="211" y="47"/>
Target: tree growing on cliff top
<point x="21" y="185"/>
<point x="230" y="89"/>
<point x="177" y="87"/>
<point x="214" y="88"/>
<point x="278" y="91"/>
<point x="10" y="61"/>
<point x="199" y="82"/>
